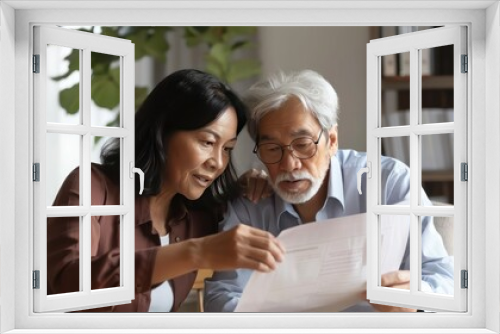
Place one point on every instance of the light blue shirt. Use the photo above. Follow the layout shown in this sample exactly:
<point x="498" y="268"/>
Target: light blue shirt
<point x="272" y="214"/>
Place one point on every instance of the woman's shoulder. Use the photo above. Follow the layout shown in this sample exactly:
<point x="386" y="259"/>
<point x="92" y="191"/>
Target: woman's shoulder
<point x="69" y="192"/>
<point x="102" y="188"/>
<point x="104" y="191"/>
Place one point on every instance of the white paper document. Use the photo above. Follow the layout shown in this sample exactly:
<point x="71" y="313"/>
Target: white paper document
<point x="324" y="269"/>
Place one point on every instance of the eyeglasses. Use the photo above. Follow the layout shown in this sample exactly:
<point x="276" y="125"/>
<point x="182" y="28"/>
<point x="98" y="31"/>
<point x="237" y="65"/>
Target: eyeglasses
<point x="300" y="148"/>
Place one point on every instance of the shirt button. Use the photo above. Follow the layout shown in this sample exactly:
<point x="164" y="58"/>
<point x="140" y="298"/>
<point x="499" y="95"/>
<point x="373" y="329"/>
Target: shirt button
<point x="177" y="239"/>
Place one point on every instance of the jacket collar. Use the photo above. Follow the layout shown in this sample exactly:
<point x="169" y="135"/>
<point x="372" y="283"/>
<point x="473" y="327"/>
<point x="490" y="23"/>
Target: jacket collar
<point x="143" y="216"/>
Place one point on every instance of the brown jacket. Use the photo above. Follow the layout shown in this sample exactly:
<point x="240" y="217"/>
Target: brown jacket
<point x="63" y="243"/>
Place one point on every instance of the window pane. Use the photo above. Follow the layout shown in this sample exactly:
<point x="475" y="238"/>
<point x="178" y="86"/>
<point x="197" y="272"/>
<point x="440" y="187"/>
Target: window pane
<point x="437" y="84"/>
<point x="63" y="90"/>
<point x="438" y="167"/>
<point x="394" y="242"/>
<point x="105" y="90"/>
<point x="438" y="114"/>
<point x="107" y="247"/>
<point x="393" y="147"/>
<point x="108" y="144"/>
<point x="398" y="148"/>
<point x="444" y="226"/>
<point x="62" y="157"/>
<point x="63" y="255"/>
<point x="395" y="90"/>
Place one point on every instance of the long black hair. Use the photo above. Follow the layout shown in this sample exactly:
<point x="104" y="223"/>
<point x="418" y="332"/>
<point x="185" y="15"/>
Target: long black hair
<point x="185" y="100"/>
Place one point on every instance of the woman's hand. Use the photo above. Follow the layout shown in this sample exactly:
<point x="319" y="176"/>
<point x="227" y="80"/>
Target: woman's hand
<point x="241" y="247"/>
<point x="255" y="185"/>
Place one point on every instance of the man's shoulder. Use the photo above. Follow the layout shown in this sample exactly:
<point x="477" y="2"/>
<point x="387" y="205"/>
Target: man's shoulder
<point x="242" y="204"/>
<point x="244" y="211"/>
<point x="353" y="158"/>
<point x="393" y="165"/>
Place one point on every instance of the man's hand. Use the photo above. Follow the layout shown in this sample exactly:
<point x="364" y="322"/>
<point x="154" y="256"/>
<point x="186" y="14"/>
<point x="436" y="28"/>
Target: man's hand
<point x="255" y="185"/>
<point x="399" y="279"/>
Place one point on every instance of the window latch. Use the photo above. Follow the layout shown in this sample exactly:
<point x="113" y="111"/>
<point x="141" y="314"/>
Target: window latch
<point x="141" y="175"/>
<point x="368" y="171"/>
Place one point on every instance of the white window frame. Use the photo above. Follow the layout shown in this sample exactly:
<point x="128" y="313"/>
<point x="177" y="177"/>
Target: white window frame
<point x="414" y="42"/>
<point x="483" y="292"/>
<point x="86" y="43"/>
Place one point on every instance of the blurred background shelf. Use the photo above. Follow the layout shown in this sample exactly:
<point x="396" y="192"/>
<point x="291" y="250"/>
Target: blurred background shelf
<point x="436" y="106"/>
<point x="428" y="82"/>
<point x="439" y="185"/>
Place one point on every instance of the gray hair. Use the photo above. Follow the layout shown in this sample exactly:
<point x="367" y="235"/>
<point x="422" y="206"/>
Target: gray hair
<point x="314" y="92"/>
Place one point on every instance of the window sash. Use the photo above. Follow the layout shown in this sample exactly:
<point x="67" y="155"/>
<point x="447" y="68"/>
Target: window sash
<point x="86" y="297"/>
<point x="413" y="42"/>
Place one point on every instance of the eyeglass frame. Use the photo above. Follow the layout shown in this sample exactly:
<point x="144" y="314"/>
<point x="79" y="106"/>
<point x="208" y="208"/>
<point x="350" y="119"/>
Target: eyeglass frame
<point x="289" y="148"/>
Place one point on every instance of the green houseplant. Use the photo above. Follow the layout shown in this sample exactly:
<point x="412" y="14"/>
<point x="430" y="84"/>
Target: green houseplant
<point x="222" y="44"/>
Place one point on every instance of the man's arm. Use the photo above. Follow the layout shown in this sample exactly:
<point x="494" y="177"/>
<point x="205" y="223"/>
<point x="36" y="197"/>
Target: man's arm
<point x="224" y="289"/>
<point x="437" y="265"/>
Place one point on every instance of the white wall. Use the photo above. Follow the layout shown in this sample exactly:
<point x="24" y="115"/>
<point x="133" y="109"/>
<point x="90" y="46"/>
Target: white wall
<point x="7" y="160"/>
<point x="337" y="53"/>
<point x="492" y="164"/>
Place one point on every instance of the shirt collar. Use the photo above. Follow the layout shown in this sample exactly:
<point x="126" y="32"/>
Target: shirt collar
<point x="336" y="182"/>
<point x="335" y="191"/>
<point x="280" y="207"/>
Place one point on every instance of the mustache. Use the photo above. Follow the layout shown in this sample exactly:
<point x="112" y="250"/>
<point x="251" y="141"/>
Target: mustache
<point x="301" y="175"/>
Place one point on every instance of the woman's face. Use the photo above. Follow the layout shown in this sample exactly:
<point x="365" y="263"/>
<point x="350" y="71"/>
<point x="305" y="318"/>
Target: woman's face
<point x="196" y="158"/>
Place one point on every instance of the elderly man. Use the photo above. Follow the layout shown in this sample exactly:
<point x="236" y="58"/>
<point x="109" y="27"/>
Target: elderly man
<point x="293" y="119"/>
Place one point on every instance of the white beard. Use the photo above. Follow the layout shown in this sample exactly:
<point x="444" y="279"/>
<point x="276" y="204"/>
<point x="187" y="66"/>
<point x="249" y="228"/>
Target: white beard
<point x="299" y="198"/>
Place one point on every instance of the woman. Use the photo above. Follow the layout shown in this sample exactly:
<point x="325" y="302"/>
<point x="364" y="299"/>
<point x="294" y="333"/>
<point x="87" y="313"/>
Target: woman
<point x="185" y="131"/>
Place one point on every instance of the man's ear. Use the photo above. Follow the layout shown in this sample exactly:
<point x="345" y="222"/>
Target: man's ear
<point x="333" y="143"/>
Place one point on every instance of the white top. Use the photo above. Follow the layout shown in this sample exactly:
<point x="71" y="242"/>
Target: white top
<point x="162" y="297"/>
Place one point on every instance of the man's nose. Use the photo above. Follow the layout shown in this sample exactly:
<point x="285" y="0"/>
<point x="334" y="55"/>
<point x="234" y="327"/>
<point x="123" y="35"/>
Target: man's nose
<point x="289" y="162"/>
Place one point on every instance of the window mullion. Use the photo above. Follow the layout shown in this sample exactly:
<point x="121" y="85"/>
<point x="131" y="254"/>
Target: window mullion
<point x="128" y="123"/>
<point x="85" y="114"/>
<point x="95" y="210"/>
<point x="85" y="274"/>
<point x="373" y="147"/>
<point x="82" y="130"/>
<point x="85" y="241"/>
<point x="442" y="211"/>
<point x="414" y="172"/>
